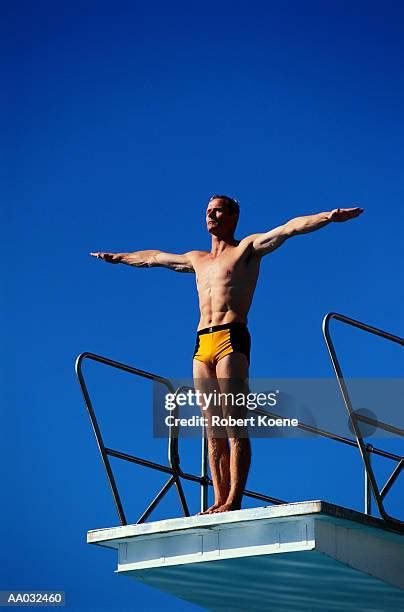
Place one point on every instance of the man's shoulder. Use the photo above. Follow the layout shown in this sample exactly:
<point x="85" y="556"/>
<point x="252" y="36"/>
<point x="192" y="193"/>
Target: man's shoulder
<point x="246" y="243"/>
<point x="248" y="239"/>
<point x="197" y="258"/>
<point x="197" y="253"/>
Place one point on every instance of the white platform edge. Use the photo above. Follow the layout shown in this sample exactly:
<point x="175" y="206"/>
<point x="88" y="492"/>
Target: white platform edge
<point x="111" y="537"/>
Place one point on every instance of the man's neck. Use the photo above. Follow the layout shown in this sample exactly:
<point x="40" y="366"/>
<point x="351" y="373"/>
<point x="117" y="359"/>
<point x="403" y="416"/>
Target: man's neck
<point x="219" y="245"/>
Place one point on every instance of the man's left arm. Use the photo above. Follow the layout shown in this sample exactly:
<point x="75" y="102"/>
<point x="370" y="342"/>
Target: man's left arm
<point x="269" y="241"/>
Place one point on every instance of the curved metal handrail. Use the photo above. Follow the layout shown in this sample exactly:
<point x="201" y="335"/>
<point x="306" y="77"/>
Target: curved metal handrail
<point x="105" y="452"/>
<point x="363" y="447"/>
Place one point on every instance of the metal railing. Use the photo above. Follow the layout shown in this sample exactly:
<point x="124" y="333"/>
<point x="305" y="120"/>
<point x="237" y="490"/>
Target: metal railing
<point x="366" y="449"/>
<point x="173" y="468"/>
<point x="176" y="473"/>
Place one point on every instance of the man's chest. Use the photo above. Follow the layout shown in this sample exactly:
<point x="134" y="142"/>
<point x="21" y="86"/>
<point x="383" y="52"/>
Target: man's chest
<point x="227" y="269"/>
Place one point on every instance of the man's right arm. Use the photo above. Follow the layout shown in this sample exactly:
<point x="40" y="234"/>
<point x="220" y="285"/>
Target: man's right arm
<point x="149" y="259"/>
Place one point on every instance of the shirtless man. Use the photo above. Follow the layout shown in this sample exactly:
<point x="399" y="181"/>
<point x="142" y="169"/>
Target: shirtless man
<point x="226" y="278"/>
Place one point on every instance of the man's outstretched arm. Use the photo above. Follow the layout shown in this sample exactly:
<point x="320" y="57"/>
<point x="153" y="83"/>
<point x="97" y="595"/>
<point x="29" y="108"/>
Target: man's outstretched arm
<point x="269" y="241"/>
<point x="149" y="259"/>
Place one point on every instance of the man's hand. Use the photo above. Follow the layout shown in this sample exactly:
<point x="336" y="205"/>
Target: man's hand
<point x="109" y="257"/>
<point x="343" y="214"/>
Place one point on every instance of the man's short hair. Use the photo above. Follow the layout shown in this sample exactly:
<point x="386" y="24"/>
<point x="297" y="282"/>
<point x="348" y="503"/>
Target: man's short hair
<point x="232" y="204"/>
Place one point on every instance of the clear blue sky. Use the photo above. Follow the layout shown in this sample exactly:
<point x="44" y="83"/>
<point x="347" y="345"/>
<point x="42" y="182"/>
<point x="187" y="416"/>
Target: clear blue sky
<point x="121" y="119"/>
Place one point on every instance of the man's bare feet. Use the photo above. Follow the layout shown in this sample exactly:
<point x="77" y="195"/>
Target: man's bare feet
<point x="227" y="507"/>
<point x="211" y="509"/>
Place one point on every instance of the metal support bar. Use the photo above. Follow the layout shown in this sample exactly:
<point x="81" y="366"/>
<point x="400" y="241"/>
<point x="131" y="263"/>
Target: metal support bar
<point x="145" y="462"/>
<point x="156" y="500"/>
<point x="181" y="495"/>
<point x="392" y="479"/>
<point x="368" y="496"/>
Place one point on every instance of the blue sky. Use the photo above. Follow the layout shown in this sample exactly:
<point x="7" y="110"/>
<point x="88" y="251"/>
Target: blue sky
<point x="121" y="120"/>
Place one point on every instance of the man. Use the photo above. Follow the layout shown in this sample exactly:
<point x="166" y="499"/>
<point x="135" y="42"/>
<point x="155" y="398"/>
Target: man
<point x="226" y="278"/>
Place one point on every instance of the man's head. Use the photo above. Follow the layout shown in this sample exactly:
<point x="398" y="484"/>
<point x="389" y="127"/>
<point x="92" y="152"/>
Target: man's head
<point x="222" y="215"/>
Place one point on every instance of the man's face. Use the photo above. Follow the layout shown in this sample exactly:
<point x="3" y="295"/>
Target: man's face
<point x="219" y="219"/>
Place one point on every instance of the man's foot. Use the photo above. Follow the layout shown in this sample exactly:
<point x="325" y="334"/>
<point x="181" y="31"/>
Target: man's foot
<point x="227" y="507"/>
<point x="211" y="509"/>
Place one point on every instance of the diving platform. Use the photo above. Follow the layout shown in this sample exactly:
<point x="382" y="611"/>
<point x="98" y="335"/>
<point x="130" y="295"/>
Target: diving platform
<point x="301" y="556"/>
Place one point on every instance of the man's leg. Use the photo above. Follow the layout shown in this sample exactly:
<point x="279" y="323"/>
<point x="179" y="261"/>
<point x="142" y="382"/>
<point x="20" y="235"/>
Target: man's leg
<point x="232" y="375"/>
<point x="218" y="448"/>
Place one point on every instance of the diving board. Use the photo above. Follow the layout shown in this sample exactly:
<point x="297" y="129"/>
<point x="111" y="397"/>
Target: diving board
<point x="303" y="556"/>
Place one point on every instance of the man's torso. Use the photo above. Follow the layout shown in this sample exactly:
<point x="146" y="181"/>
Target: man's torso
<point x="225" y="283"/>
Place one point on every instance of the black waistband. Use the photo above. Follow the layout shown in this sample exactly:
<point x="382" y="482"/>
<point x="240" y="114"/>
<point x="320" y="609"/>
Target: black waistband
<point x="214" y="328"/>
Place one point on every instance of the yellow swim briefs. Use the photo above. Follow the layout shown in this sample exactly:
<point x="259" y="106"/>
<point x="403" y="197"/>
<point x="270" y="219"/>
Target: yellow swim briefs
<point x="214" y="343"/>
